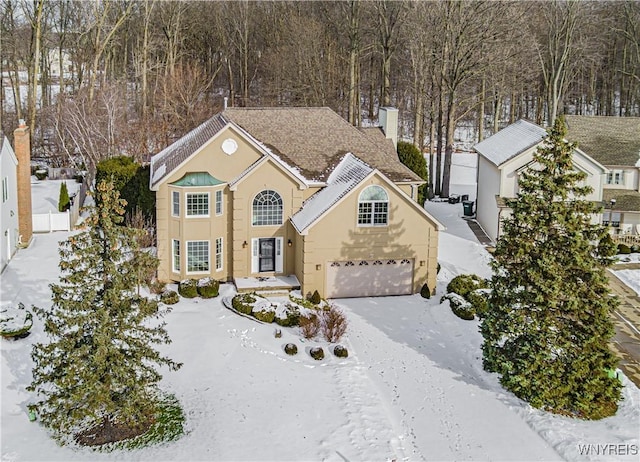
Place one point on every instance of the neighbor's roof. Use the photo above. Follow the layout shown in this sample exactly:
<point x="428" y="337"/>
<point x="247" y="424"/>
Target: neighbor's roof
<point x="315" y="139"/>
<point x="5" y="146"/>
<point x="510" y="141"/>
<point x="627" y="200"/>
<point x="609" y="140"/>
<point x="346" y="176"/>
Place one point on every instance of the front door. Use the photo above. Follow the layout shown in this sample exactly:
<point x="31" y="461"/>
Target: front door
<point x="267" y="254"/>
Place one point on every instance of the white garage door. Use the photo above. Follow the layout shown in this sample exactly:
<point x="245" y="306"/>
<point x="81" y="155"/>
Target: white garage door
<point x="369" y="278"/>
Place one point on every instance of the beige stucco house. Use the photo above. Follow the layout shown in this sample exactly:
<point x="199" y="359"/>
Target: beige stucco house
<point x="259" y="193"/>
<point x="501" y="160"/>
<point x="615" y="143"/>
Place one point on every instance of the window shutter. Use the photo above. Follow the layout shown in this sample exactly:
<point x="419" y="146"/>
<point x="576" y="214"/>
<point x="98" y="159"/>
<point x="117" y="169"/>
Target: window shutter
<point x="279" y="256"/>
<point x="255" y="259"/>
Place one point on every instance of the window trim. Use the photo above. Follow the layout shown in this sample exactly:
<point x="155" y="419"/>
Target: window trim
<point x="218" y="202"/>
<point x="253" y="205"/>
<point x="372" y="212"/>
<point x="175" y="205"/>
<point x="186" y="211"/>
<point x="174" y="247"/>
<point x="208" y="270"/>
<point x="219" y="261"/>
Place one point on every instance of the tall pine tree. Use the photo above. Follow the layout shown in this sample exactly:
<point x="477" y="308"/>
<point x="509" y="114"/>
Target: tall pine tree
<point x="549" y="324"/>
<point x="100" y="370"/>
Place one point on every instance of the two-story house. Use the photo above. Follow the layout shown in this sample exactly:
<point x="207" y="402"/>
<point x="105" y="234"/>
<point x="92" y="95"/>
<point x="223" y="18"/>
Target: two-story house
<point x="501" y="160"/>
<point x="9" y="205"/>
<point x="615" y="143"/>
<point x="255" y="193"/>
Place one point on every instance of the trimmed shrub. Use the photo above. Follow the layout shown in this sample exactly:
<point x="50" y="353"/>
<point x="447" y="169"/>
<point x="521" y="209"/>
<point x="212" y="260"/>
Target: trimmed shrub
<point x="291" y="349"/>
<point x="317" y="353"/>
<point x="465" y="283"/>
<point x="333" y="324"/>
<point x="289" y="317"/>
<point x="64" y="202"/>
<point x="169" y="297"/>
<point x="309" y="326"/>
<point x="208" y="288"/>
<point x="438" y="268"/>
<point x="425" y="292"/>
<point x="277" y="333"/>
<point x="264" y="315"/>
<point x="340" y="351"/>
<point x="623" y="249"/>
<point x="460" y="307"/>
<point x="479" y="300"/>
<point x="41" y="174"/>
<point x="188" y="288"/>
<point x="243" y="303"/>
<point x="315" y="298"/>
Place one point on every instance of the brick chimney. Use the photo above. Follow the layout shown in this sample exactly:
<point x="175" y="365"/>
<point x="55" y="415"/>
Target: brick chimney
<point x="388" y="117"/>
<point x="22" y="148"/>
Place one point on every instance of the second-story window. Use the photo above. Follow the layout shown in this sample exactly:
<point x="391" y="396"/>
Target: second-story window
<point x="197" y="204"/>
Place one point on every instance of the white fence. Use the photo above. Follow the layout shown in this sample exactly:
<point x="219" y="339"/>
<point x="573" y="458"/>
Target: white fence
<point x="48" y="222"/>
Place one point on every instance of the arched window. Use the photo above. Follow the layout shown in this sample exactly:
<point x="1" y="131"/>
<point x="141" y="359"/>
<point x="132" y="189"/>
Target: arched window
<point x="373" y="207"/>
<point x="267" y="209"/>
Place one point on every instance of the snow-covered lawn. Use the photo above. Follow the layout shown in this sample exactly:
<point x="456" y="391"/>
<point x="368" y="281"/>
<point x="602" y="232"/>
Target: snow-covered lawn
<point x="412" y="387"/>
<point x="631" y="278"/>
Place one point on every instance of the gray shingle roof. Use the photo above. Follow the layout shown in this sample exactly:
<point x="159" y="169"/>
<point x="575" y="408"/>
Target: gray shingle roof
<point x="609" y="140"/>
<point x="347" y="175"/>
<point x="315" y="139"/>
<point x="510" y="141"/>
<point x="627" y="200"/>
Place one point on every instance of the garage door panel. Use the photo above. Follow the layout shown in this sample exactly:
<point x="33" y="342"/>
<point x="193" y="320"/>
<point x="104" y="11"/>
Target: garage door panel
<point x="369" y="278"/>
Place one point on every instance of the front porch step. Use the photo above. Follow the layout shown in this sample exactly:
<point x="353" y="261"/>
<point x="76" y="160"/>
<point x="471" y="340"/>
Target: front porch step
<point x="273" y="285"/>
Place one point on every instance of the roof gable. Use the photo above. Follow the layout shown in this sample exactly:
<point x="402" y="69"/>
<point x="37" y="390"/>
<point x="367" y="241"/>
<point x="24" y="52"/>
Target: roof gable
<point x="5" y="147"/>
<point x="609" y="140"/>
<point x="510" y="141"/>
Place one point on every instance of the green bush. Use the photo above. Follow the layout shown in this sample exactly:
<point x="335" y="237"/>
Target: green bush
<point x="317" y="353"/>
<point x="340" y="351"/>
<point x="479" y="300"/>
<point x="290" y="317"/>
<point x="64" y="202"/>
<point x="291" y="349"/>
<point x="169" y="297"/>
<point x="425" y="292"/>
<point x="465" y="283"/>
<point x="315" y="298"/>
<point x="264" y="315"/>
<point x="41" y="174"/>
<point x="188" y="288"/>
<point x="208" y="288"/>
<point x="459" y="306"/>
<point x="243" y="303"/>
<point x="624" y="249"/>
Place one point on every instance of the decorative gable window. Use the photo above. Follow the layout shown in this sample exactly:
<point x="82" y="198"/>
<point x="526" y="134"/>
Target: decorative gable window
<point x="615" y="177"/>
<point x="219" y="202"/>
<point x="175" y="203"/>
<point x="373" y="207"/>
<point x="197" y="204"/>
<point x="267" y="209"/>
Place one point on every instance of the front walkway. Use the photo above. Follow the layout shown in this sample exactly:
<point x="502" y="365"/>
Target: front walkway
<point x="267" y="284"/>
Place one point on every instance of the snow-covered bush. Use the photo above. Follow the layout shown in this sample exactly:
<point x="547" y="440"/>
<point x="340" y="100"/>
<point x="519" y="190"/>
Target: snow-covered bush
<point x="291" y="349"/>
<point x="169" y="297"/>
<point x="287" y="315"/>
<point x="465" y="283"/>
<point x="340" y="352"/>
<point x="460" y="307"/>
<point x="263" y="311"/>
<point x="188" y="288"/>
<point x="315" y="298"/>
<point x="208" y="288"/>
<point x="243" y="303"/>
<point x="333" y="324"/>
<point x="317" y="353"/>
<point x="479" y="299"/>
<point x="15" y="322"/>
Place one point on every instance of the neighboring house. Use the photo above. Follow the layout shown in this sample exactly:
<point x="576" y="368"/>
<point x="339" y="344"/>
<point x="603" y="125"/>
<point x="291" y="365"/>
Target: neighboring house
<point x="615" y="143"/>
<point x="266" y="192"/>
<point x="501" y="160"/>
<point x="9" y="177"/>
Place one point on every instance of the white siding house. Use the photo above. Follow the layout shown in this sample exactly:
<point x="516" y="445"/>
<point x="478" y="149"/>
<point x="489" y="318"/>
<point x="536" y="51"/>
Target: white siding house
<point x="9" y="204"/>
<point x="501" y="160"/>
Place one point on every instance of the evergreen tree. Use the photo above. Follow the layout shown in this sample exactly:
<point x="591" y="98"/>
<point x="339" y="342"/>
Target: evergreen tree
<point x="99" y="370"/>
<point x="411" y="156"/>
<point x="548" y="326"/>
<point x="63" y="198"/>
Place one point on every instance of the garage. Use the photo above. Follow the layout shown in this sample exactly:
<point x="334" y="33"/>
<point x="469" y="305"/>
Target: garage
<point x="369" y="278"/>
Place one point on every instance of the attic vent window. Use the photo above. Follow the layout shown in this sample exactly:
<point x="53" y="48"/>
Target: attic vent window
<point x="229" y="146"/>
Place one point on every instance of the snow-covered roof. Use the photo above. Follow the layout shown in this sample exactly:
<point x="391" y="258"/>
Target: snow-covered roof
<point x="346" y="176"/>
<point x="510" y="141"/>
